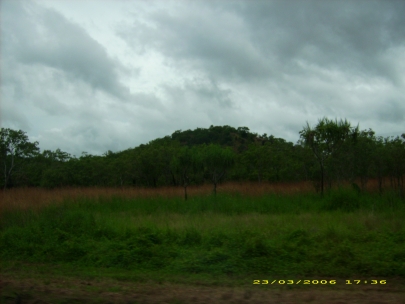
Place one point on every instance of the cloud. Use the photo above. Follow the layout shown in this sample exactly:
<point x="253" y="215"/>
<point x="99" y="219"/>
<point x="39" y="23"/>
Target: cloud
<point x="198" y="36"/>
<point x="393" y="111"/>
<point x="41" y="36"/>
<point x="91" y="77"/>
<point x="345" y="35"/>
<point x="264" y="39"/>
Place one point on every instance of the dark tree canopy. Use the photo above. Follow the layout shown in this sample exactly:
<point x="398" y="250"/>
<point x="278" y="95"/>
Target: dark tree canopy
<point x="329" y="153"/>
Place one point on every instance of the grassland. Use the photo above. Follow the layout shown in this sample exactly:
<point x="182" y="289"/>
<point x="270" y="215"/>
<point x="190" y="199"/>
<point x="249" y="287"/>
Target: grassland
<point x="246" y="232"/>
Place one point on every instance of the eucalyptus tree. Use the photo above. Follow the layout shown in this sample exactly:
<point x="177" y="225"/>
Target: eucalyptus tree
<point x="362" y="156"/>
<point x="379" y="161"/>
<point x="56" y="172"/>
<point x="168" y="149"/>
<point x="326" y="141"/>
<point x="216" y="161"/>
<point x="303" y="162"/>
<point x="396" y="162"/>
<point x="127" y="167"/>
<point x="186" y="164"/>
<point x="115" y="168"/>
<point x="256" y="159"/>
<point x="14" y="149"/>
<point x="270" y="159"/>
<point x="151" y="163"/>
<point x="283" y="161"/>
<point x="90" y="170"/>
<point x="122" y="169"/>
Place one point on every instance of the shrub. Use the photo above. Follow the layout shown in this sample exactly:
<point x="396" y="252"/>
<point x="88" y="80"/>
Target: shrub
<point x="343" y="199"/>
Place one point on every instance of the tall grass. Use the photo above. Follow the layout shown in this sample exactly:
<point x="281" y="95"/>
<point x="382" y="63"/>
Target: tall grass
<point x="32" y="198"/>
<point x="269" y="231"/>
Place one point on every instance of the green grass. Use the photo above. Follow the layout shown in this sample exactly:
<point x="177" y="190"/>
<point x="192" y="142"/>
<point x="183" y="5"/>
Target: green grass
<point x="343" y="234"/>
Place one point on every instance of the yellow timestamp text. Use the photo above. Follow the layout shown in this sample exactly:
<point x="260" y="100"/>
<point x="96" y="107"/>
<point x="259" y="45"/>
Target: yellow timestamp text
<point x="318" y="282"/>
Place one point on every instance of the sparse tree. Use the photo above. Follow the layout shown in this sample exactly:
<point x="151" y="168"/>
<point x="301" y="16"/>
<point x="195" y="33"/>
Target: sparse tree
<point x="217" y="161"/>
<point x="186" y="163"/>
<point x="14" y="148"/>
<point x="326" y="141"/>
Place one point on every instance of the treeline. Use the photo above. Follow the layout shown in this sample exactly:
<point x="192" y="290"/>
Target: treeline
<point x="331" y="152"/>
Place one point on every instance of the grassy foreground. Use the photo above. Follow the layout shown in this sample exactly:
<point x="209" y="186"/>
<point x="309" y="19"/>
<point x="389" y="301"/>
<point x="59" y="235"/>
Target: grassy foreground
<point x="92" y="245"/>
<point x="227" y="240"/>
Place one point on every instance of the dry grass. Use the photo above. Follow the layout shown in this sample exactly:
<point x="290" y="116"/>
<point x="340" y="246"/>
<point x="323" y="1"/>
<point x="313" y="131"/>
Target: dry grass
<point x="35" y="198"/>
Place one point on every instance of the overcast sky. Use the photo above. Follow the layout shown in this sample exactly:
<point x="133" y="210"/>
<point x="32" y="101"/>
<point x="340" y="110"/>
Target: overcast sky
<point x="83" y="75"/>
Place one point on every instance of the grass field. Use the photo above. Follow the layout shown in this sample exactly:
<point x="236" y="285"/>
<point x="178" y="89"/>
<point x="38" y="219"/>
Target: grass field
<point x="246" y="232"/>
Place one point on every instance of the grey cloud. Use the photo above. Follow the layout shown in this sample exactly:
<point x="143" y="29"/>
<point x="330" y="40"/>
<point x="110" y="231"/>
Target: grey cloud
<point x="86" y="136"/>
<point x="200" y="37"/>
<point x="15" y="119"/>
<point x="210" y="93"/>
<point x="268" y="65"/>
<point x="42" y="36"/>
<point x="252" y="40"/>
<point x="393" y="111"/>
<point x="199" y="103"/>
<point x="348" y="35"/>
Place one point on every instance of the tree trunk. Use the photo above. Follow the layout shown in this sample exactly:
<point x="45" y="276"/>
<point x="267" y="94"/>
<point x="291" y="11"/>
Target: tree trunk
<point x="380" y="181"/>
<point x="185" y="192"/>
<point x="173" y="178"/>
<point x="322" y="178"/>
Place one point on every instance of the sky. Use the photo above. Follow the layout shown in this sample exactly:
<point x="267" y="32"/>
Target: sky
<point x="98" y="75"/>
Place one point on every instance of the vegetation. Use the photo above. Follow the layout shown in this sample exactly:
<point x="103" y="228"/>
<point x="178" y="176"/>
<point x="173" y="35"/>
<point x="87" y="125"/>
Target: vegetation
<point x="147" y="213"/>
<point x="237" y="233"/>
<point x="332" y="152"/>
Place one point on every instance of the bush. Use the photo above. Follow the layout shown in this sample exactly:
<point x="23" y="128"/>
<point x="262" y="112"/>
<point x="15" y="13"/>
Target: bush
<point x="343" y="199"/>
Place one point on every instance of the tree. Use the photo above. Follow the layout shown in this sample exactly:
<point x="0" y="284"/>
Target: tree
<point x="395" y="148"/>
<point x="257" y="159"/>
<point x="150" y="163"/>
<point x="282" y="164"/>
<point x="14" y="148"/>
<point x="168" y="150"/>
<point x="54" y="169"/>
<point x="379" y="157"/>
<point x="326" y="141"/>
<point x="217" y="161"/>
<point x="304" y="162"/>
<point x="186" y="164"/>
<point x="362" y="154"/>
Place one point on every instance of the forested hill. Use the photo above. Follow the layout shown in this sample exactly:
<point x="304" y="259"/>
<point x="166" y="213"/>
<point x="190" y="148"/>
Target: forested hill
<point x="239" y="139"/>
<point x="331" y="152"/>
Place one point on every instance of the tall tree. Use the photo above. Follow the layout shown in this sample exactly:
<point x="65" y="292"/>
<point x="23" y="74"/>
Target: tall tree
<point x="326" y="141"/>
<point x="362" y="154"/>
<point x="186" y="163"/>
<point x="55" y="172"/>
<point x="217" y="161"/>
<point x="256" y="159"/>
<point x="396" y="162"/>
<point x="151" y="163"/>
<point x="14" y="148"/>
<point x="379" y="160"/>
